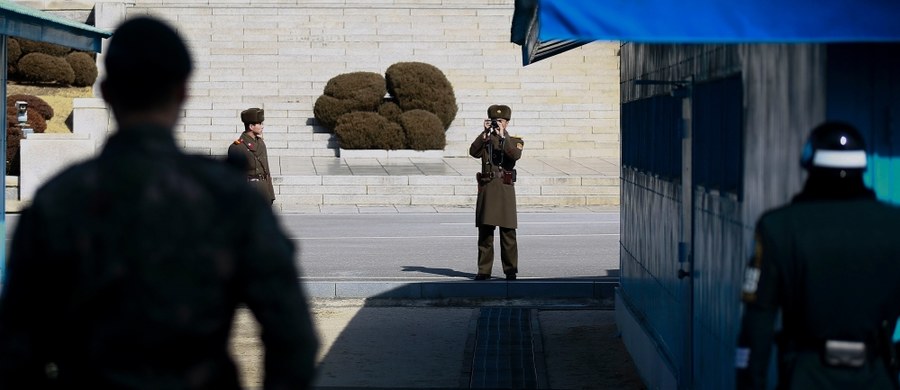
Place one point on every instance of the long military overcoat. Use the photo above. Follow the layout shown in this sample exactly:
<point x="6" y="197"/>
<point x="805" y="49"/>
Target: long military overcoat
<point x="258" y="163"/>
<point x="496" y="202"/>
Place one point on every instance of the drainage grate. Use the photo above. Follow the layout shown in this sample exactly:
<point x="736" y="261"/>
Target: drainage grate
<point x="504" y="351"/>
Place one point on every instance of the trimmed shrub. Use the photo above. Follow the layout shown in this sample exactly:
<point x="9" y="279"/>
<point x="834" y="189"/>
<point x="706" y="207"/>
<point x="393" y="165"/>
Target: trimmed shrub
<point x="365" y="87"/>
<point x="368" y="130"/>
<point x="13" y="137"/>
<point x="84" y="67"/>
<point x="43" y="68"/>
<point x="417" y="85"/>
<point x="424" y="130"/>
<point x="349" y="92"/>
<point x="35" y="121"/>
<point x="13" y="51"/>
<point x="390" y="110"/>
<point x="33" y="102"/>
<point x="50" y="49"/>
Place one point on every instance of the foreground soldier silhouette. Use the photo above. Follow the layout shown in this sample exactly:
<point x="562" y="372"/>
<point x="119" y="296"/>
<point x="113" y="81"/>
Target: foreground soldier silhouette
<point x="830" y="263"/>
<point x="126" y="271"/>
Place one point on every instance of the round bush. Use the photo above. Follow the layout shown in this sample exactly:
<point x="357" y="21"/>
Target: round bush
<point x="13" y="51"/>
<point x="33" y="102"/>
<point x="424" y="130"/>
<point x="51" y="49"/>
<point x="367" y="87"/>
<point x="35" y="121"/>
<point x="328" y="109"/>
<point x="390" y="110"/>
<point x="368" y="130"/>
<point x="43" y="68"/>
<point x="349" y="92"/>
<point x="417" y="85"/>
<point x="84" y="67"/>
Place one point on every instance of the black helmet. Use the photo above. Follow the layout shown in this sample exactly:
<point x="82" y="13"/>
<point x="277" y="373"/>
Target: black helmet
<point x="834" y="146"/>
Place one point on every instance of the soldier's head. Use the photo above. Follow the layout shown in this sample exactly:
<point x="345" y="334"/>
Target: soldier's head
<point x="834" y="149"/>
<point x="147" y="69"/>
<point x="501" y="114"/>
<point x="835" y="158"/>
<point x="253" y="119"/>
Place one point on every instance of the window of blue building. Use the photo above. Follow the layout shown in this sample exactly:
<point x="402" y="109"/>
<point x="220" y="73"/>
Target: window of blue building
<point x="651" y="136"/>
<point x="717" y="124"/>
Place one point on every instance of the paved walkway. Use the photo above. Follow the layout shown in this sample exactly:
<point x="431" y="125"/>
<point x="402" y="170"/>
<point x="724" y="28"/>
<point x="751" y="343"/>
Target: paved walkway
<point x="502" y="344"/>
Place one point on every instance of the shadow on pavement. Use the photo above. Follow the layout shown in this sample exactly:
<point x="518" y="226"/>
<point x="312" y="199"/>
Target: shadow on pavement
<point x="384" y="342"/>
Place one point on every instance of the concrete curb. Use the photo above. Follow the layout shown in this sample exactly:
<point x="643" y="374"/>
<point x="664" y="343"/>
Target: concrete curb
<point x="601" y="290"/>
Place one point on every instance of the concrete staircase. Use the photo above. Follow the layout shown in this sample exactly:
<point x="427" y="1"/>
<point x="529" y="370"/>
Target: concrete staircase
<point x="314" y="180"/>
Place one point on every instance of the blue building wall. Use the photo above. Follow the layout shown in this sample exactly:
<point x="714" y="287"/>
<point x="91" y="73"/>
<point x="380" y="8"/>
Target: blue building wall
<point x="738" y="167"/>
<point x="864" y="89"/>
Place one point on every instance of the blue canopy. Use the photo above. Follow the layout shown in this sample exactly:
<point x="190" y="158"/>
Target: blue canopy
<point x="720" y="21"/>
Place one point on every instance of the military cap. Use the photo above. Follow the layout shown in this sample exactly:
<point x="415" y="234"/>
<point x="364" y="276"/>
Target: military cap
<point x="498" y="111"/>
<point x="253" y="115"/>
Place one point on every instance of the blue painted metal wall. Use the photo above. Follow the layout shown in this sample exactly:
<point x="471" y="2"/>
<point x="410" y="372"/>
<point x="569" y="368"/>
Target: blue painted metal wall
<point x="864" y="89"/>
<point x="778" y="92"/>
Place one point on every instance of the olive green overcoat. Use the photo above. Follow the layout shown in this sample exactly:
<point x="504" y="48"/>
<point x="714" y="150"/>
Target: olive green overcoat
<point x="496" y="202"/>
<point x="258" y="172"/>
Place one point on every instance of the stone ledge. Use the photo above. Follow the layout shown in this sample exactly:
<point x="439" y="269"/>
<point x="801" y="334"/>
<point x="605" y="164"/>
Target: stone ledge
<point x="380" y="153"/>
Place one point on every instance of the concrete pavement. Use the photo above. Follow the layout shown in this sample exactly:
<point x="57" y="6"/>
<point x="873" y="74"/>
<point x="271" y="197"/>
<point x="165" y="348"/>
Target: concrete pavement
<point x="430" y="344"/>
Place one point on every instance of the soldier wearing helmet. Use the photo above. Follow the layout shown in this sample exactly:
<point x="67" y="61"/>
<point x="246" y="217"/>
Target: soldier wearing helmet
<point x="253" y="147"/>
<point x="829" y="264"/>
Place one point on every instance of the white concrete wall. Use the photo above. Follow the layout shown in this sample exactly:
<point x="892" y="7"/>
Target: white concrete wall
<point x="279" y="54"/>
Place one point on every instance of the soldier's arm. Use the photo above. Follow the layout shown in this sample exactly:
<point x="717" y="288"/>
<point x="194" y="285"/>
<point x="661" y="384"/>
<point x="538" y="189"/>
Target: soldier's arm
<point x="760" y="301"/>
<point x="513" y="147"/>
<point x="477" y="147"/>
<point x="272" y="291"/>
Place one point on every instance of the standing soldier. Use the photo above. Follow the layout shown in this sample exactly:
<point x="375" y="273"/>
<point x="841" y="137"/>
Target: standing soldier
<point x="252" y="145"/>
<point x="830" y="263"/>
<point x="496" y="204"/>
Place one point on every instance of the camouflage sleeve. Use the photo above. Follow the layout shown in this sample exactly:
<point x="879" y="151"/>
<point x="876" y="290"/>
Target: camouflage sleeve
<point x="760" y="301"/>
<point x="27" y="303"/>
<point x="273" y="293"/>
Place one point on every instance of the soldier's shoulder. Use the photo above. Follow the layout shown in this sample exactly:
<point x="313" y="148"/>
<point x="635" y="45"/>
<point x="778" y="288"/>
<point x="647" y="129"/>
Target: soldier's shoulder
<point x="237" y="142"/>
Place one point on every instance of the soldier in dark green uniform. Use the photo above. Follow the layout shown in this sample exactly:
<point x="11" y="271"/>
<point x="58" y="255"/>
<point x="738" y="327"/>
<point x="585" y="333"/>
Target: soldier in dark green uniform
<point x="127" y="269"/>
<point x="496" y="204"/>
<point x="252" y="145"/>
<point x="829" y="263"/>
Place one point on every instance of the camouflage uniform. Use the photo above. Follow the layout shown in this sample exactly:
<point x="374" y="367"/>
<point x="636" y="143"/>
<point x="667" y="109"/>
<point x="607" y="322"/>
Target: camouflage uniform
<point x="127" y="269"/>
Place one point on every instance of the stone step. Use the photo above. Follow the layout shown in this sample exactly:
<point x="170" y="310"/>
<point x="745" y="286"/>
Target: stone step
<point x="295" y="193"/>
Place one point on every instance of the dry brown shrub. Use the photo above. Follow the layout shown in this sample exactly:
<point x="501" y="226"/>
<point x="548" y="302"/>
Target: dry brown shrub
<point x="368" y="130"/>
<point x="84" y="67"/>
<point x="349" y="92"/>
<point x="417" y="85"/>
<point x="424" y="130"/>
<point x="34" y="102"/>
<point x="43" y="68"/>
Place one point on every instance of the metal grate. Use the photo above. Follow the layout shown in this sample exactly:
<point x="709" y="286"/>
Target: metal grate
<point x="504" y="350"/>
